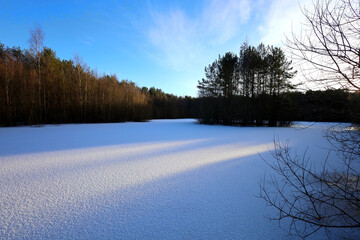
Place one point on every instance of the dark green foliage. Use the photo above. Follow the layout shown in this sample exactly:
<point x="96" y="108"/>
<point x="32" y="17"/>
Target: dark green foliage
<point x="324" y="106"/>
<point x="319" y="106"/>
<point x="246" y="89"/>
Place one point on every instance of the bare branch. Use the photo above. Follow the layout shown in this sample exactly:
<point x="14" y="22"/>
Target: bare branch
<point x="329" y="199"/>
<point x="330" y="43"/>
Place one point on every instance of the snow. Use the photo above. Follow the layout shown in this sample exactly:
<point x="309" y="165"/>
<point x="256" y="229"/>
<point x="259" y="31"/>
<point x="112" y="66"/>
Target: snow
<point x="164" y="179"/>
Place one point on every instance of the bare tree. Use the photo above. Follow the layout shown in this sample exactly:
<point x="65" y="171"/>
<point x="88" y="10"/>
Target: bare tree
<point x="36" y="47"/>
<point x="82" y="80"/>
<point x="9" y="70"/>
<point x="314" y="199"/>
<point x="329" y="43"/>
<point x="36" y="40"/>
<point x="328" y="197"/>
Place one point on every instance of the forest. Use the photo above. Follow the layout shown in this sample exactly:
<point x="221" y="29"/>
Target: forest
<point x="252" y="88"/>
<point x="37" y="88"/>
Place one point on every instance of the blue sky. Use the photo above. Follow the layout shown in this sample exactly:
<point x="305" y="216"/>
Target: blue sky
<point x="165" y="44"/>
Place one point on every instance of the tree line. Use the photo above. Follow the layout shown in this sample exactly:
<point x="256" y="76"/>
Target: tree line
<point x="252" y="88"/>
<point x="36" y="87"/>
<point x="332" y="105"/>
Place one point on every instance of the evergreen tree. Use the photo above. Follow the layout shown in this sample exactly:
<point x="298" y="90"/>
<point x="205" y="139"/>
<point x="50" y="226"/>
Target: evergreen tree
<point x="241" y="88"/>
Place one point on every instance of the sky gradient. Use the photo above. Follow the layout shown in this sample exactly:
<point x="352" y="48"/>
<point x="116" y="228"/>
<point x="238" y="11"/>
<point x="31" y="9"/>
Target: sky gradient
<point x="165" y="44"/>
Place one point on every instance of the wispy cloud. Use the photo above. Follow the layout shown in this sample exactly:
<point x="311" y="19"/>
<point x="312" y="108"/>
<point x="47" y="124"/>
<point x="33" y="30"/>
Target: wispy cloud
<point x="175" y="38"/>
<point x="87" y="40"/>
<point x="223" y="19"/>
<point x="282" y="17"/>
<point x="180" y="40"/>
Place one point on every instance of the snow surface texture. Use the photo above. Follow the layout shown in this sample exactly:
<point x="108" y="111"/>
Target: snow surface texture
<point x="164" y="179"/>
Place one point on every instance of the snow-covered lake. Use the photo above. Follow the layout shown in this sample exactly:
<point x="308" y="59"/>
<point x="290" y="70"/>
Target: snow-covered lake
<point x="164" y="179"/>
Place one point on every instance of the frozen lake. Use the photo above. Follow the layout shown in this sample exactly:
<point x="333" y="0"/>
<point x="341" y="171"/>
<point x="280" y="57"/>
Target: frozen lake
<point x="164" y="179"/>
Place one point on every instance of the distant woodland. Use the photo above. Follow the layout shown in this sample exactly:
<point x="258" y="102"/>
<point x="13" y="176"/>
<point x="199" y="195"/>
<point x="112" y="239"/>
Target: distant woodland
<point x="252" y="88"/>
<point x="38" y="88"/>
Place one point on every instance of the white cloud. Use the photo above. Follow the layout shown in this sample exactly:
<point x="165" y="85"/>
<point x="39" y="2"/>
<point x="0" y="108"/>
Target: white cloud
<point x="87" y="40"/>
<point x="181" y="41"/>
<point x="223" y="19"/>
<point x="282" y="17"/>
<point x="175" y="38"/>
